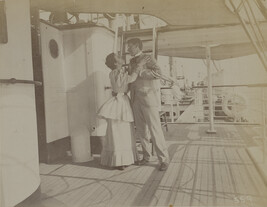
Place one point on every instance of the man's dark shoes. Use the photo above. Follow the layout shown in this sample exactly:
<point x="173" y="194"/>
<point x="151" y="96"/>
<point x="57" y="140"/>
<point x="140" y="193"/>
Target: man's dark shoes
<point x="142" y="162"/>
<point x="120" y="168"/>
<point x="163" y="166"/>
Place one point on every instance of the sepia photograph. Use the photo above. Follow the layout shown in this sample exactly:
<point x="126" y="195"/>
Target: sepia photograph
<point x="133" y="103"/>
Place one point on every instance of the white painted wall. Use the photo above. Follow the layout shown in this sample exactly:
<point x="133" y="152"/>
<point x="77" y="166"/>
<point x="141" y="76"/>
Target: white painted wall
<point x="18" y="130"/>
<point x="102" y="45"/>
<point x="56" y="118"/>
<point x="85" y="50"/>
<point x="74" y="82"/>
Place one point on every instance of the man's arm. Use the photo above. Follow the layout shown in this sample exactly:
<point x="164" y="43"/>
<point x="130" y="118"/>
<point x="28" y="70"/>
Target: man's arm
<point x="148" y="67"/>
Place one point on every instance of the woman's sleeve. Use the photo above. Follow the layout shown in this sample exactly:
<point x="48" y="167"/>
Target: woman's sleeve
<point x="131" y="78"/>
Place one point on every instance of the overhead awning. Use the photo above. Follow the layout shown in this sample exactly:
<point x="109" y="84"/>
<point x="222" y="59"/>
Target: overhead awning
<point x="217" y="53"/>
<point x="225" y="42"/>
<point x="174" y="12"/>
<point x="198" y="23"/>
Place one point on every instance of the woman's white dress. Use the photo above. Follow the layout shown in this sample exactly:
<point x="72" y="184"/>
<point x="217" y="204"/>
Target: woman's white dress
<point x="119" y="146"/>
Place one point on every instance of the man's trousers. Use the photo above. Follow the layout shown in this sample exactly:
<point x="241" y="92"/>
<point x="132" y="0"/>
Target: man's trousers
<point x="147" y="122"/>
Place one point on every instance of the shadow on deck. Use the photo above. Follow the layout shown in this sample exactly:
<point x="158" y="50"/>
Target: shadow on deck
<point x="205" y="170"/>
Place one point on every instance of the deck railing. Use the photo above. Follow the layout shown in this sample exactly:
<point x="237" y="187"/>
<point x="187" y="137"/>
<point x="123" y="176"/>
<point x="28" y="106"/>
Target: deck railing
<point x="232" y="104"/>
<point x="238" y="104"/>
<point x="235" y="104"/>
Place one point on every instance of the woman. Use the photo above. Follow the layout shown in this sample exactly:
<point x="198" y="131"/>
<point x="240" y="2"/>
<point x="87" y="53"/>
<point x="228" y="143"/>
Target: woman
<point x="119" y="148"/>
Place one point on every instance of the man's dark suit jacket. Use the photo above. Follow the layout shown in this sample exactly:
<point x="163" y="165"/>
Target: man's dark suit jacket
<point x="146" y="88"/>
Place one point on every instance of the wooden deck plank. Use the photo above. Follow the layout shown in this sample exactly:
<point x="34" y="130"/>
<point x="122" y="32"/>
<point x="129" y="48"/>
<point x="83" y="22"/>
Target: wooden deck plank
<point x="46" y="169"/>
<point x="137" y="192"/>
<point x="188" y="182"/>
<point x="114" y="187"/>
<point x="255" y="181"/>
<point x="244" y="174"/>
<point x="246" y="187"/>
<point x="149" y="195"/>
<point x="84" y="173"/>
<point x="125" y="189"/>
<point x="148" y="188"/>
<point x="105" y="190"/>
<point x="111" y="193"/>
<point x="165" y="179"/>
<point x="204" y="191"/>
<point x="253" y="174"/>
<point x="84" y="189"/>
<point x="234" y="167"/>
<point x="75" y="190"/>
<point x="224" y="186"/>
<point x="166" y="186"/>
<point x="134" y="189"/>
<point x="211" y="181"/>
<point x="204" y="170"/>
<point x="186" y="177"/>
<point x="168" y="197"/>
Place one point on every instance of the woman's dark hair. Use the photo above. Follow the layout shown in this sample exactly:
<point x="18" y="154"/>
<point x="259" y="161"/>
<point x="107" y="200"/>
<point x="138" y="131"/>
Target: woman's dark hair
<point x="137" y="42"/>
<point x="111" y="61"/>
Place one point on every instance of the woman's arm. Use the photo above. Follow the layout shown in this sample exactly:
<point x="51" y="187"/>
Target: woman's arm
<point x="131" y="78"/>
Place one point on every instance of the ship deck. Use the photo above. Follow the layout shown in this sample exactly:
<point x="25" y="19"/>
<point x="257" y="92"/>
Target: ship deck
<point x="205" y="170"/>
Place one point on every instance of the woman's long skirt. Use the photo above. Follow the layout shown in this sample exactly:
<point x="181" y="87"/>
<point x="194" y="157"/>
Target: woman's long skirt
<point x="119" y="147"/>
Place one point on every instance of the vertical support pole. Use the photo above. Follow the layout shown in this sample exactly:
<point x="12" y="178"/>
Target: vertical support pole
<point x="128" y="22"/>
<point x="211" y="130"/>
<point x="154" y="39"/>
<point x="122" y="46"/>
<point x="173" y="71"/>
<point x="116" y="35"/>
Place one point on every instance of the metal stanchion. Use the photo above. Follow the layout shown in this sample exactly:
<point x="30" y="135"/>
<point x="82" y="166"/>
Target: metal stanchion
<point x="211" y="130"/>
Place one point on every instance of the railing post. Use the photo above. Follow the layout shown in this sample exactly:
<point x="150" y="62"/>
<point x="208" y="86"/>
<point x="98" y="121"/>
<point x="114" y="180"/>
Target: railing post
<point x="211" y="130"/>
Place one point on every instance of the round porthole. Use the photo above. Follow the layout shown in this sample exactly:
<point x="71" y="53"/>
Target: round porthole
<point x="53" y="48"/>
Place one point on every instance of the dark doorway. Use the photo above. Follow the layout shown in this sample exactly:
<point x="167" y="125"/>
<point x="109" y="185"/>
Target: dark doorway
<point x="39" y="90"/>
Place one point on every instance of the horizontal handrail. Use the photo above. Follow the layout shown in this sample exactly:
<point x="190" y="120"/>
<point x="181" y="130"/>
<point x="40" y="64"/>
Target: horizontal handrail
<point x="14" y="81"/>
<point x="241" y="85"/>
<point x="107" y="87"/>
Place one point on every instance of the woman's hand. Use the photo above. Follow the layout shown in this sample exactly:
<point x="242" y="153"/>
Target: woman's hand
<point x="122" y="70"/>
<point x="143" y="61"/>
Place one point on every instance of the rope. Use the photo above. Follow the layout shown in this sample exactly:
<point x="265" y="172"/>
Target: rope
<point x="263" y="60"/>
<point x="253" y="29"/>
<point x="261" y="8"/>
<point x="257" y="25"/>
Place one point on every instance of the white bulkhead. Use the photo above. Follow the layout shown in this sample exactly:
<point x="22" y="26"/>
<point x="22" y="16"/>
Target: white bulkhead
<point x="76" y="82"/>
<point x="19" y="174"/>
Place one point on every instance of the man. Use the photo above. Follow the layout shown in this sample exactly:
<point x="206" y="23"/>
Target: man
<point x="145" y="92"/>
